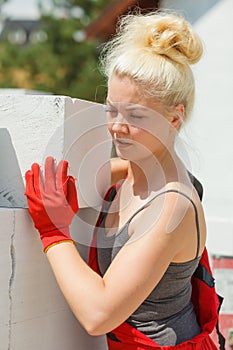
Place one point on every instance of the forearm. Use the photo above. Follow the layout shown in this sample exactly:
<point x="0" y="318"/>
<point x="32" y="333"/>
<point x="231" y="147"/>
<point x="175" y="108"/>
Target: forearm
<point x="52" y="205"/>
<point x="83" y="288"/>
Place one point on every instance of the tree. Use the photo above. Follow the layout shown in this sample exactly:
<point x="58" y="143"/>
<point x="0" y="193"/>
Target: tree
<point x="64" y="63"/>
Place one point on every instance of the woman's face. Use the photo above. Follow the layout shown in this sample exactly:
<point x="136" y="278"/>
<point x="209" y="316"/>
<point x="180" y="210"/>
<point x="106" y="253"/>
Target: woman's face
<point x="139" y="126"/>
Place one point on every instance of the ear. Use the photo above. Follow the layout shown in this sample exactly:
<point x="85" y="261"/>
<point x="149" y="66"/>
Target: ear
<point x="178" y="116"/>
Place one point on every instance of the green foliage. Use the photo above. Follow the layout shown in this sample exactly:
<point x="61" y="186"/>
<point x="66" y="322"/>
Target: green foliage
<point x="60" y="65"/>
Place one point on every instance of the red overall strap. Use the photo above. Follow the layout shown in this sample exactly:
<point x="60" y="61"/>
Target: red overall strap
<point x="93" y="259"/>
<point x="204" y="297"/>
<point x="125" y="337"/>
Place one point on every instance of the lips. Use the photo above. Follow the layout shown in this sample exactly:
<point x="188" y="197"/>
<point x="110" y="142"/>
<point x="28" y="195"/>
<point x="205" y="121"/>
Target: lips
<point x="122" y="143"/>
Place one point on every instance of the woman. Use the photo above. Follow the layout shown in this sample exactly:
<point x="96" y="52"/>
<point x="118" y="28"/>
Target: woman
<point x="151" y="233"/>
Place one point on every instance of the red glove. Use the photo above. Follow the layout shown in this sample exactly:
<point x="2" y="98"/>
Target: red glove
<point x="53" y="203"/>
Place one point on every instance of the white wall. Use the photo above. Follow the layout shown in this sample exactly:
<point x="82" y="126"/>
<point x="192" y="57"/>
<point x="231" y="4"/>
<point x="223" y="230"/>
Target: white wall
<point x="208" y="136"/>
<point x="192" y="10"/>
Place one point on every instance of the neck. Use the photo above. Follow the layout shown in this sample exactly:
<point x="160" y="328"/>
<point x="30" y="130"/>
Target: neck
<point x="151" y="174"/>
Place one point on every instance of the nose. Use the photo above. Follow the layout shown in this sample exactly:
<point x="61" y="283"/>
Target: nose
<point x="119" y="124"/>
<point x="119" y="127"/>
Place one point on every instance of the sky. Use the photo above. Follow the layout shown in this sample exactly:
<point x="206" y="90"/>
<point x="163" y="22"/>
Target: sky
<point x="18" y="9"/>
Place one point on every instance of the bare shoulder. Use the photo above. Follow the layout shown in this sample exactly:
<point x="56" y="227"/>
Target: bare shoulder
<point x="175" y="216"/>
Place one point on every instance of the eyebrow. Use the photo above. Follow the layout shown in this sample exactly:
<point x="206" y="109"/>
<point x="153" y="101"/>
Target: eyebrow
<point x="135" y="106"/>
<point x="128" y="106"/>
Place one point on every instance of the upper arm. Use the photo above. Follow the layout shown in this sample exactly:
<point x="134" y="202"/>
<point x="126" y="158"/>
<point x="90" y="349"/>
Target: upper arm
<point x="141" y="263"/>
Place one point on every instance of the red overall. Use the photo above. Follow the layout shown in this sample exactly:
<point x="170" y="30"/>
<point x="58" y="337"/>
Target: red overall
<point x="205" y="300"/>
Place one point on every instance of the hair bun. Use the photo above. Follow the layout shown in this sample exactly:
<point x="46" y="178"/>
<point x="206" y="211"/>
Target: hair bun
<point x="171" y="36"/>
<point x="155" y="50"/>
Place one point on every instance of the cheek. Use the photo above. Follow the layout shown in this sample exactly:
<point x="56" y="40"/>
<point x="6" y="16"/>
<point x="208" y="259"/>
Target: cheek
<point x="109" y="126"/>
<point x="152" y="143"/>
<point x="158" y="133"/>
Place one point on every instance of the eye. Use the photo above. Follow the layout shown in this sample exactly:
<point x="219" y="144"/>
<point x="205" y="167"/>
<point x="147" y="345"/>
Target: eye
<point x="110" y="109"/>
<point x="136" y="116"/>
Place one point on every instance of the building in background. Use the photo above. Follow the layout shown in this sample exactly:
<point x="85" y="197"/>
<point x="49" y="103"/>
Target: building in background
<point x="22" y="32"/>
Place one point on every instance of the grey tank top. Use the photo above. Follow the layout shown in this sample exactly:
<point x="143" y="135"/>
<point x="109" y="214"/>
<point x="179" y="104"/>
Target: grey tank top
<point x="167" y="315"/>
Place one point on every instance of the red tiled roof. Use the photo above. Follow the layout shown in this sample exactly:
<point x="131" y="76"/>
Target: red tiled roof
<point x="104" y="26"/>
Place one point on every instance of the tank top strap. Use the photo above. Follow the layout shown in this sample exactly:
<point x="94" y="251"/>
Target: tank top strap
<point x="108" y="198"/>
<point x="186" y="196"/>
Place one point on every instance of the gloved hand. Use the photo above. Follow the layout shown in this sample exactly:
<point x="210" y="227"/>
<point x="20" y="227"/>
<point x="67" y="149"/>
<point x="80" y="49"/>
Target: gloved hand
<point x="52" y="203"/>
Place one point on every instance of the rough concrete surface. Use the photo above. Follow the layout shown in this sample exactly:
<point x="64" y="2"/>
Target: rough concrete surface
<point x="34" y="314"/>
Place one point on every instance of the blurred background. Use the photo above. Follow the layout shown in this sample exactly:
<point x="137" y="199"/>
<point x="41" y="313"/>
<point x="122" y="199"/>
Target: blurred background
<point x="44" y="46"/>
<point x="53" y="45"/>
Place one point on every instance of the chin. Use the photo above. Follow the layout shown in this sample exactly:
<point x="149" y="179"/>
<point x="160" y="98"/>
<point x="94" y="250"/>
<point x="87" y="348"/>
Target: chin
<point x="122" y="156"/>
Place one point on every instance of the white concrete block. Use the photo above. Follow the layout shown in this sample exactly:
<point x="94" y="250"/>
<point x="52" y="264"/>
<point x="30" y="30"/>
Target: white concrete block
<point x="6" y="224"/>
<point x="34" y="314"/>
<point x="35" y="126"/>
<point x="11" y="181"/>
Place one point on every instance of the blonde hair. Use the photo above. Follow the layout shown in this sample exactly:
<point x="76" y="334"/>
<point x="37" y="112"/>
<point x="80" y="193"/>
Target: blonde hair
<point x="156" y="51"/>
